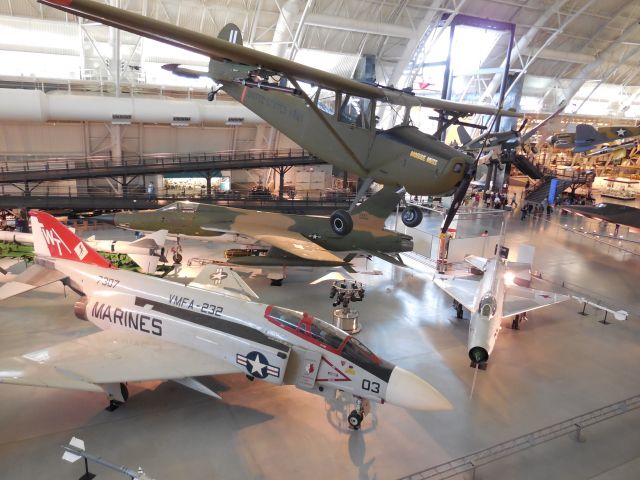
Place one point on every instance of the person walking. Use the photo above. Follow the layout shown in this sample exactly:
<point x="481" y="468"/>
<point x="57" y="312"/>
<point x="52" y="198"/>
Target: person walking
<point x="523" y="211"/>
<point x="150" y="190"/>
<point x="514" y="201"/>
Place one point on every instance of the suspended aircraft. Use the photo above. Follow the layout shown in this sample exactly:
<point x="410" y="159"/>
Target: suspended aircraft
<point x="154" y="329"/>
<point x="292" y="240"/>
<point x="331" y="116"/>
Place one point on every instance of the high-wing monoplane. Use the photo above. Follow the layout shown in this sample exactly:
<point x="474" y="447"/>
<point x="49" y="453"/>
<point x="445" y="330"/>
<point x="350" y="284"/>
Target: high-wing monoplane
<point x="331" y="116"/>
<point x="154" y="329"/>
<point x="293" y="240"/>
<point x="494" y="297"/>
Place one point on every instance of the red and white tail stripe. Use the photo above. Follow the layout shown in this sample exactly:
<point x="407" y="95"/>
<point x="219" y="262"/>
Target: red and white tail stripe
<point x="52" y="239"/>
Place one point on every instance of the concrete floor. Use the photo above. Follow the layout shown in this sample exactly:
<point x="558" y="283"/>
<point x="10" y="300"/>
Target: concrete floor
<point x="558" y="366"/>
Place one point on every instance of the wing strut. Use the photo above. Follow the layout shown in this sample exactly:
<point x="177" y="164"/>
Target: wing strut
<point x="333" y="131"/>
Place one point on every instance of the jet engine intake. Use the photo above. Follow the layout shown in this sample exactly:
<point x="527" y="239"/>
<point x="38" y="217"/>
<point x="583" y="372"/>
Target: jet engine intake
<point x="478" y="355"/>
<point x="80" y="308"/>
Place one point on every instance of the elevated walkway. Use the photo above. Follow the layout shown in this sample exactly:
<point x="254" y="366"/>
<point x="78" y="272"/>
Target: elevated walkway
<point x="34" y="169"/>
<point x="141" y="202"/>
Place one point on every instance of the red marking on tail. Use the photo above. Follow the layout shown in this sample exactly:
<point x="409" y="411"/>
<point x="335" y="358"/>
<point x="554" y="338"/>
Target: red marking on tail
<point x="51" y="238"/>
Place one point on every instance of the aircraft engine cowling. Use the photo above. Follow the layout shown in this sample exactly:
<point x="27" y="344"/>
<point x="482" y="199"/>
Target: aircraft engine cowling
<point x="80" y="308"/>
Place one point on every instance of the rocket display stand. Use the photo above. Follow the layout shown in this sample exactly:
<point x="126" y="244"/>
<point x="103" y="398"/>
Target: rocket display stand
<point x="347" y="319"/>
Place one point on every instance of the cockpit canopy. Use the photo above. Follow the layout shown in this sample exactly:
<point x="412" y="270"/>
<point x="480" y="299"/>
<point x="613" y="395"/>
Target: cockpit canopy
<point x="183" y="206"/>
<point x="321" y="333"/>
<point x="488" y="305"/>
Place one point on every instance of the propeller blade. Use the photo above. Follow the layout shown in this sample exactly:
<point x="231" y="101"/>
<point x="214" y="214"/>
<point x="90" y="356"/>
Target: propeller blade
<point x="458" y="197"/>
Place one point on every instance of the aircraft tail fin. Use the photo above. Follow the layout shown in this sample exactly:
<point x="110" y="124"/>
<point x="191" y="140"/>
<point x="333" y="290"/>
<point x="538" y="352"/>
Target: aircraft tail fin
<point x="52" y="239"/>
<point x="379" y="205"/>
<point x="587" y="137"/>
<point x="231" y="33"/>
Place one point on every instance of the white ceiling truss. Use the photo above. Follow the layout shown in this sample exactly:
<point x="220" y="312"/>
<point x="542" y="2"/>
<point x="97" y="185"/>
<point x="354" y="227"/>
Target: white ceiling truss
<point x="563" y="47"/>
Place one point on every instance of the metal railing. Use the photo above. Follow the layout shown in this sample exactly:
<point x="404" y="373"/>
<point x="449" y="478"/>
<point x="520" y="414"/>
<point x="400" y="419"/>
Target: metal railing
<point x="574" y="426"/>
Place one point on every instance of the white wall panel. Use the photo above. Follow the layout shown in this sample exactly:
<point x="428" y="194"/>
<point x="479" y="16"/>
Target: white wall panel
<point x="28" y="138"/>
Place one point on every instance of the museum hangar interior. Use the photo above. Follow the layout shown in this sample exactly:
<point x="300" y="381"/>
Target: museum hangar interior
<point x="415" y="223"/>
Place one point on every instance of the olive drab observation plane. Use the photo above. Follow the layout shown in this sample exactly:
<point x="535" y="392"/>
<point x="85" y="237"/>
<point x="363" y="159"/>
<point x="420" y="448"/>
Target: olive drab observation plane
<point x="154" y="329"/>
<point x="331" y="116"/>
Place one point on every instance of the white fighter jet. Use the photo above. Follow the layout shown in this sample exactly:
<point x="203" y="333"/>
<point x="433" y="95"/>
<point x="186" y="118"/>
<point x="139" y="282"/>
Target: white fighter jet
<point x="156" y="329"/>
<point x="494" y="297"/>
<point x="146" y="252"/>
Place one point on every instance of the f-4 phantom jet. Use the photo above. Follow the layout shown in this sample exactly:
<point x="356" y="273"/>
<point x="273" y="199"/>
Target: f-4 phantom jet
<point x="155" y="329"/>
<point x="331" y="116"/>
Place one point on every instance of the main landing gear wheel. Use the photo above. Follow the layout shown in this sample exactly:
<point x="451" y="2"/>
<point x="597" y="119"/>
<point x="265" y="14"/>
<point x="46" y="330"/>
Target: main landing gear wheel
<point x="341" y="222"/>
<point x="355" y="420"/>
<point x="211" y="96"/>
<point x="115" y="404"/>
<point x="177" y="258"/>
<point x="411" y="216"/>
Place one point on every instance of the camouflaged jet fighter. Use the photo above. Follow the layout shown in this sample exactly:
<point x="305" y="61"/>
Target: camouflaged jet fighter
<point x="154" y="329"/>
<point x="331" y="116"/>
<point x="293" y="240"/>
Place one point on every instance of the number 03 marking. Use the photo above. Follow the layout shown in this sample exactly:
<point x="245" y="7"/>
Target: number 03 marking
<point x="373" y="387"/>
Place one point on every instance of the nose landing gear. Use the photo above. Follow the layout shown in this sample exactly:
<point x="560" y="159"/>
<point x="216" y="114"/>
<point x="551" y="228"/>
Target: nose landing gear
<point x="357" y="415"/>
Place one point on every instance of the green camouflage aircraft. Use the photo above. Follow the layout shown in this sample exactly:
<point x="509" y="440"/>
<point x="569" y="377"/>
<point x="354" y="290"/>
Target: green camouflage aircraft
<point x="331" y="116"/>
<point x="294" y="240"/>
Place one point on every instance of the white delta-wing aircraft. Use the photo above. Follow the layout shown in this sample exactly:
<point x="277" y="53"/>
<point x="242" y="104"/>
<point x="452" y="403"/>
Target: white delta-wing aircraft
<point x="154" y="329"/>
<point x="494" y="297"/>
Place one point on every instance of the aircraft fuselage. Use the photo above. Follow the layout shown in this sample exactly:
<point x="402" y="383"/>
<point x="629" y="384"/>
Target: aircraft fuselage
<point x="399" y="156"/>
<point x="247" y="335"/>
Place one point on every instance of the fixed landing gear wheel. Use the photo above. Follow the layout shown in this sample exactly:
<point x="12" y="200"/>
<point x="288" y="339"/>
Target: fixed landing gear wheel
<point x="276" y="283"/>
<point x="411" y="216"/>
<point x="177" y="258"/>
<point x="125" y="391"/>
<point x="211" y="96"/>
<point x="355" y="420"/>
<point x="341" y="222"/>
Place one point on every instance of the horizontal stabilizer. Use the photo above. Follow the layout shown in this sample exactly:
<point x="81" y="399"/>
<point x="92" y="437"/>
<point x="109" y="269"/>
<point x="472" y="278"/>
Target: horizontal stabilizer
<point x="35" y="276"/>
<point x="153" y="240"/>
<point x="478" y="262"/>
<point x="224" y="280"/>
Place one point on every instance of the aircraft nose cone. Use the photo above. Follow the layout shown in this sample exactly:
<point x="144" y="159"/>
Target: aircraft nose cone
<point x="109" y="218"/>
<point x="409" y="391"/>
